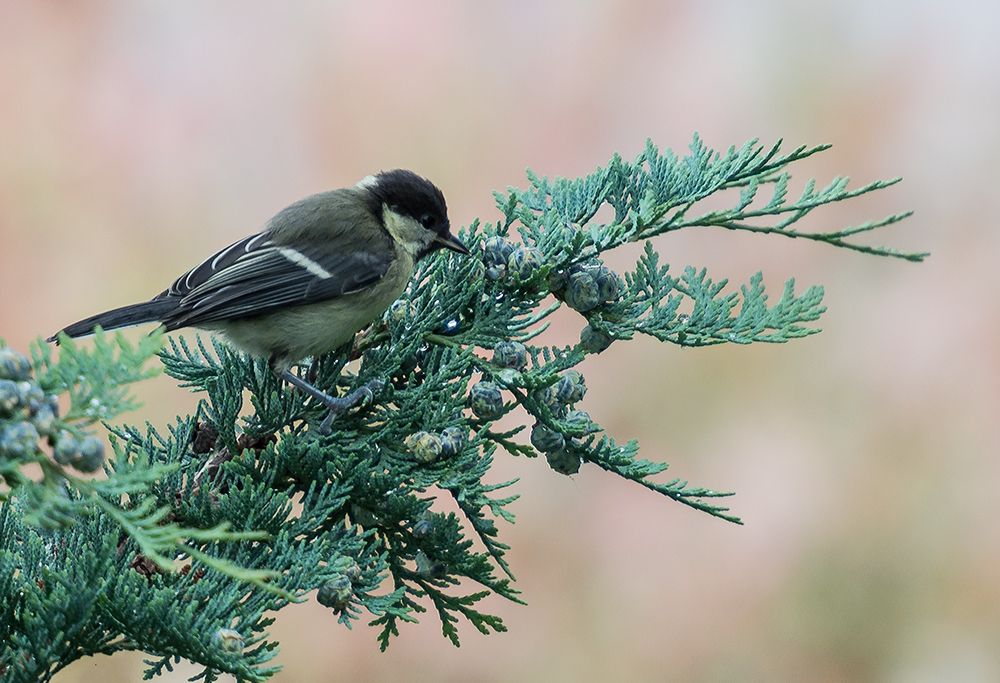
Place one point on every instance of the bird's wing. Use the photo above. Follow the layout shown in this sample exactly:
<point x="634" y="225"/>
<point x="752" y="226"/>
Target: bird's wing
<point x="259" y="275"/>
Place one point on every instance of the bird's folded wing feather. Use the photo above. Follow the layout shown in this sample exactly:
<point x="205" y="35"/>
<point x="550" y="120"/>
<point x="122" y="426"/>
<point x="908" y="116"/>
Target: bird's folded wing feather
<point x="256" y="276"/>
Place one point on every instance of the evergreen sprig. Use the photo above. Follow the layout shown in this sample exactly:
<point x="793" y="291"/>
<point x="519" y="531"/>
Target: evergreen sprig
<point x="34" y="431"/>
<point x="261" y="507"/>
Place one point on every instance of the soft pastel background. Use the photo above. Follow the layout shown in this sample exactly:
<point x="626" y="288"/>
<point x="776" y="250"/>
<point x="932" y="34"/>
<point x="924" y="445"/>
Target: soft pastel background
<point x="136" y="137"/>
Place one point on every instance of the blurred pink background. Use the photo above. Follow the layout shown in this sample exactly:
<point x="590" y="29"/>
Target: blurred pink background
<point x="136" y="137"/>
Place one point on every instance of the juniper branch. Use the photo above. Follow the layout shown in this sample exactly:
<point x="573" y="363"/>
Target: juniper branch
<point x="261" y="508"/>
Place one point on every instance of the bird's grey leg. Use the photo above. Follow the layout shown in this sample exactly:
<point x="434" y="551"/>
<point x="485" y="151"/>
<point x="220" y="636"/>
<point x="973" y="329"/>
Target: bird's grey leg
<point x="337" y="405"/>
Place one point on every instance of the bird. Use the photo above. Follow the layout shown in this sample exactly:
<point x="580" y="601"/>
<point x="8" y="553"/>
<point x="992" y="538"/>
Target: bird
<point x="320" y="271"/>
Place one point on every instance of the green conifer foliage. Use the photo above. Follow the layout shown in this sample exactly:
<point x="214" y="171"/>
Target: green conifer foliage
<point x="205" y="526"/>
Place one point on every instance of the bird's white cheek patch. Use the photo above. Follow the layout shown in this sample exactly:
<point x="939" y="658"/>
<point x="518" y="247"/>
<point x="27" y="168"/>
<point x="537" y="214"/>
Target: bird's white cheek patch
<point x="406" y="232"/>
<point x="301" y="259"/>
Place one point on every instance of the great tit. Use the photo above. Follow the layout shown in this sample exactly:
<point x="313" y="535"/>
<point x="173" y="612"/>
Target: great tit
<point x="320" y="271"/>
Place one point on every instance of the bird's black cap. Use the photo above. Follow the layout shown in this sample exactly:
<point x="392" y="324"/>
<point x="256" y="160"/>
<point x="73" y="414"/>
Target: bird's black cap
<point x="408" y="194"/>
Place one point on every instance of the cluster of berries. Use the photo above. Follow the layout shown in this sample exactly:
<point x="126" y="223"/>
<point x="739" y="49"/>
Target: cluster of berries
<point x="427" y="447"/>
<point x="502" y="258"/>
<point x="486" y="402"/>
<point x="559" y="399"/>
<point x="338" y="591"/>
<point x="27" y="414"/>
<point x="485" y="398"/>
<point x="585" y="286"/>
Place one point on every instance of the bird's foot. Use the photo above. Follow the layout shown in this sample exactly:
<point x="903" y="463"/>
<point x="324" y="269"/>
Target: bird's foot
<point x="362" y="394"/>
<point x="336" y="404"/>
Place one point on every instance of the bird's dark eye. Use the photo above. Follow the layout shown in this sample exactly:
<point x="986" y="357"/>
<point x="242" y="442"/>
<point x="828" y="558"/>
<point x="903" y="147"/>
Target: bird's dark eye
<point x="427" y="221"/>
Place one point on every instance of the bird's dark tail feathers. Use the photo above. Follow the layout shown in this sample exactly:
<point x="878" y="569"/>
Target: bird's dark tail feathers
<point x="136" y="314"/>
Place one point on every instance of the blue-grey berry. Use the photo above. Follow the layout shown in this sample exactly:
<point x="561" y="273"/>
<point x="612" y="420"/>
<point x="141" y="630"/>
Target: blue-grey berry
<point x="510" y="355"/>
<point x="336" y="593"/>
<point x="524" y="262"/>
<point x="563" y="389"/>
<point x="579" y="387"/>
<point x="581" y="292"/>
<point x="53" y="403"/>
<point x="44" y="420"/>
<point x="497" y="249"/>
<point x="570" y="387"/>
<point x="607" y="284"/>
<point x="546" y="440"/>
<point x="14" y="365"/>
<point x="546" y="396"/>
<point x="18" y="440"/>
<point x="493" y="244"/>
<point x="557" y="280"/>
<point x="401" y="310"/>
<point x="10" y="397"/>
<point x="91" y="455"/>
<point x="353" y="572"/>
<point x="563" y="462"/>
<point x="32" y="396"/>
<point x="67" y="449"/>
<point x="594" y="341"/>
<point x="424" y="525"/>
<point x="228" y="641"/>
<point x="577" y="422"/>
<point x="452" y="441"/>
<point x="427" y="567"/>
<point x="450" y="327"/>
<point x="496" y="271"/>
<point x="486" y="400"/>
<point x="425" y="447"/>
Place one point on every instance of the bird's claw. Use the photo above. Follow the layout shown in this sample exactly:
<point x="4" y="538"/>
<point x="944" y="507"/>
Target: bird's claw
<point x="363" y="394"/>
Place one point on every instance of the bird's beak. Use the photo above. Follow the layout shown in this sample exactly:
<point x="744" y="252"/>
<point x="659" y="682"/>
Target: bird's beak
<point x="449" y="241"/>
